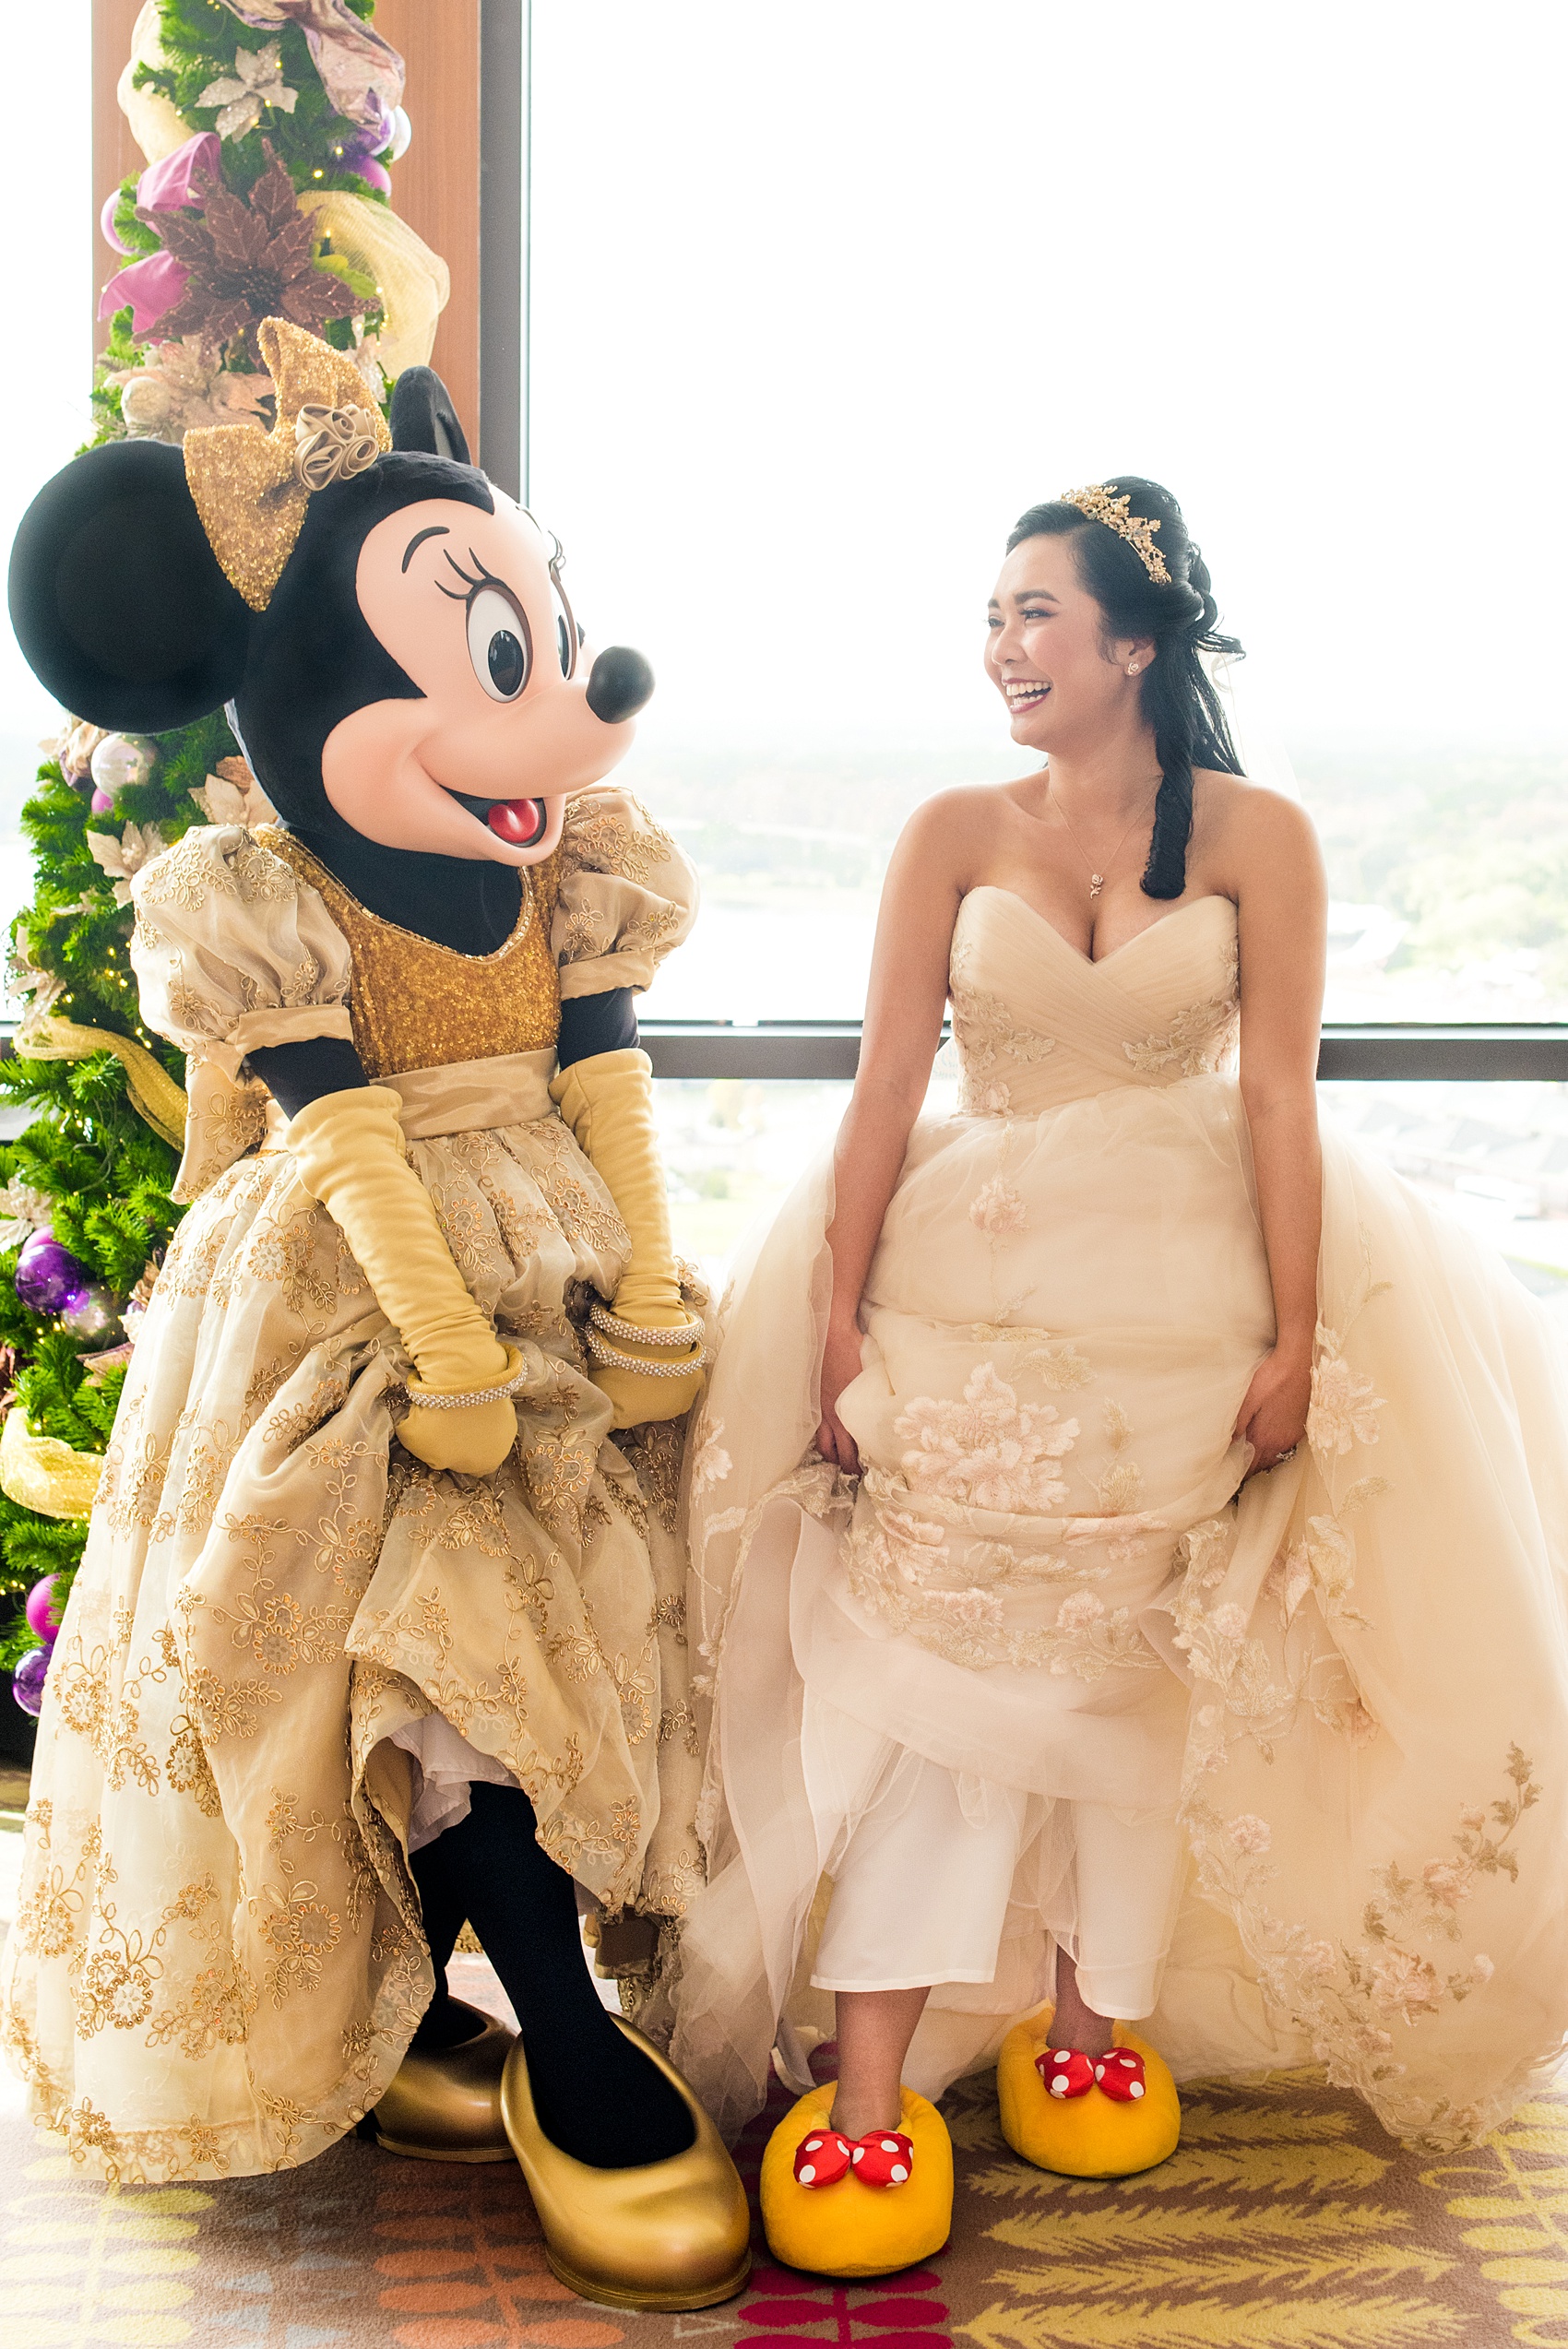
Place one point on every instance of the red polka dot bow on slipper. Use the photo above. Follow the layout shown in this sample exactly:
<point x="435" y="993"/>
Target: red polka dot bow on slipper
<point x="883" y="2157"/>
<point x="1119" y="2075"/>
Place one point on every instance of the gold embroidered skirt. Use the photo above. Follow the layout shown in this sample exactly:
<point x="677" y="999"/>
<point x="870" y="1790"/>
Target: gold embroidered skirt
<point x="218" y="1962"/>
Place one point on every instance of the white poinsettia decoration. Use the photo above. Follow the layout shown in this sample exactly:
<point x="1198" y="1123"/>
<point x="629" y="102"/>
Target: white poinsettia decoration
<point x="175" y="388"/>
<point x="256" y="81"/>
<point x="26" y="1211"/>
<point x="123" y="858"/>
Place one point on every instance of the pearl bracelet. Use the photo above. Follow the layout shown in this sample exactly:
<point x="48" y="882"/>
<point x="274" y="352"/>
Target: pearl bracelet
<point x="615" y="1325"/>
<point x="467" y="1402"/>
<point x="610" y="1358"/>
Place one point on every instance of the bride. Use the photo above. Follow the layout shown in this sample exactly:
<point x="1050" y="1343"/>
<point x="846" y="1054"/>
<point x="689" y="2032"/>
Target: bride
<point x="1129" y="1532"/>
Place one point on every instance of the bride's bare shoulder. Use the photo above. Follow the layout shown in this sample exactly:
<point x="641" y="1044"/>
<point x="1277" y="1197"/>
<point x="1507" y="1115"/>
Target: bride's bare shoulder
<point x="1240" y="822"/>
<point x="946" y="829"/>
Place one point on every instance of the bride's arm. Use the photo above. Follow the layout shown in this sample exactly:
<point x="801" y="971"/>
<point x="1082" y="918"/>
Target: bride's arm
<point x="903" y="1027"/>
<point x="1282" y="907"/>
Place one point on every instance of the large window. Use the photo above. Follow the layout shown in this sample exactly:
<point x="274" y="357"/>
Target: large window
<point x="824" y="295"/>
<point x="821" y="296"/>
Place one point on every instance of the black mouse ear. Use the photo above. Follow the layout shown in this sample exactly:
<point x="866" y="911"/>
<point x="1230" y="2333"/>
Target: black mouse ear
<point x="423" y="418"/>
<point x="117" y="599"/>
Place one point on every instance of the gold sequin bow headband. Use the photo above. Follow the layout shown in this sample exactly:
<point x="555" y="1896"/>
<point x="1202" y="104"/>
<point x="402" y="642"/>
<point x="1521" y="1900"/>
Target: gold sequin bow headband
<point x="1114" y="511"/>
<point x="251" y="488"/>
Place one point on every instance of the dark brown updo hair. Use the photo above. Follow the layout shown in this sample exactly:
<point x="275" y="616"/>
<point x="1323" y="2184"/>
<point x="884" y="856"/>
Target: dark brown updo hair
<point x="1176" y="690"/>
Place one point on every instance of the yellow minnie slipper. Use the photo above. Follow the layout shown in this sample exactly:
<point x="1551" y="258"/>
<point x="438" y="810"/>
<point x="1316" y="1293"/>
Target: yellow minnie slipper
<point x="1085" y="2116"/>
<point x="838" y="2208"/>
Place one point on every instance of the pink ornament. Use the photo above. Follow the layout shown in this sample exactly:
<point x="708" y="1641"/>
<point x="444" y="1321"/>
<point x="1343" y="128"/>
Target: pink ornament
<point x="103" y="801"/>
<point x="27" y="1681"/>
<point x="39" y="1611"/>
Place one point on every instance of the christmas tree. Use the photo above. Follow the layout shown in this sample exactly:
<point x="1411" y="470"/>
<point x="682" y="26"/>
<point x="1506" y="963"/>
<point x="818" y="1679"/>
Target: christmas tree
<point x="266" y="193"/>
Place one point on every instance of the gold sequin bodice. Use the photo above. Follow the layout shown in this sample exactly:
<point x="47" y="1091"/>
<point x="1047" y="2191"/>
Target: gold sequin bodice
<point x="415" y="1004"/>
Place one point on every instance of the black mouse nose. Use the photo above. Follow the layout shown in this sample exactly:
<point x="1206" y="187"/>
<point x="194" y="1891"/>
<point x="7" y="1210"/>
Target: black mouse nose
<point x="619" y="684"/>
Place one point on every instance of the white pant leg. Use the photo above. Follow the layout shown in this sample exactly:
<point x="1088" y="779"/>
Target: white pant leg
<point x="1127" y="1871"/>
<point x="921" y="1888"/>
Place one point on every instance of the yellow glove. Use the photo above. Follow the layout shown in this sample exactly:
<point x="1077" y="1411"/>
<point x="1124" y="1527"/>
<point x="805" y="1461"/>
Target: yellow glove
<point x="608" y="1103"/>
<point x="348" y="1150"/>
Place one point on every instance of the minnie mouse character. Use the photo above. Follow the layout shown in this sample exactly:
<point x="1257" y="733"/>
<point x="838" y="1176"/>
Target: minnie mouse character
<point x="379" y="1629"/>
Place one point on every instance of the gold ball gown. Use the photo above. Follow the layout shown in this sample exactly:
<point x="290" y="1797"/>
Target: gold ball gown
<point x="218" y="1962"/>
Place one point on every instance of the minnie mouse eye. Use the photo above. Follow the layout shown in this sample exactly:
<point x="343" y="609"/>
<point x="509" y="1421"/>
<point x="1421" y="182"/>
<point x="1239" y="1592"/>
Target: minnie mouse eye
<point x="568" y="635"/>
<point x="498" y="644"/>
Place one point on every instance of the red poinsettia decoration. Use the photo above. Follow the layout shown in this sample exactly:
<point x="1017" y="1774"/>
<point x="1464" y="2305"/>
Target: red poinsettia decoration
<point x="247" y="258"/>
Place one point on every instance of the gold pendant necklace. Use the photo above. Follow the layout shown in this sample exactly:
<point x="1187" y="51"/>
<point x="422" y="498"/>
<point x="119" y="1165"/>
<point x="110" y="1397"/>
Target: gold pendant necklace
<point x="1097" y="879"/>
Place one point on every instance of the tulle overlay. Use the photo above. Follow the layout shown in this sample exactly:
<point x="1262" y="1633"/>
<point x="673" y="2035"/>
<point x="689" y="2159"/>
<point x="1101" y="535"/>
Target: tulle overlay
<point x="1284" y="1772"/>
<point x="218" y="1960"/>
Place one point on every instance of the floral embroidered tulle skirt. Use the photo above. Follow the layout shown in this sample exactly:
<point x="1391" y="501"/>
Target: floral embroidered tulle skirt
<point x="218" y="1962"/>
<point x="1285" y="1768"/>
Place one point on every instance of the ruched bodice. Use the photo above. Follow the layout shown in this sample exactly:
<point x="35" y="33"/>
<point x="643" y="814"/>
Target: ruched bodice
<point x="1037" y="1023"/>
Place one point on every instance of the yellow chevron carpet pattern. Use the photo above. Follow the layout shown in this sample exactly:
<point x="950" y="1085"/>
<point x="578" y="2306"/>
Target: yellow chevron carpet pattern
<point x="1285" y="2220"/>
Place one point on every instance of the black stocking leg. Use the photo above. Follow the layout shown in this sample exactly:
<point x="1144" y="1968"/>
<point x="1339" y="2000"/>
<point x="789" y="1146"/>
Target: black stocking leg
<point x="597" y="2096"/>
<point x="444" y="2023"/>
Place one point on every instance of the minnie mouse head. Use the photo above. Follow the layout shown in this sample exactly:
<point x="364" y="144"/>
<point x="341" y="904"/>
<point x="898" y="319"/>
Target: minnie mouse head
<point x="389" y="629"/>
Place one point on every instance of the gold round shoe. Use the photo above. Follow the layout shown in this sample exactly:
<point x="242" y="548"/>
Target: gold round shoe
<point x="663" y="2236"/>
<point x="445" y="2103"/>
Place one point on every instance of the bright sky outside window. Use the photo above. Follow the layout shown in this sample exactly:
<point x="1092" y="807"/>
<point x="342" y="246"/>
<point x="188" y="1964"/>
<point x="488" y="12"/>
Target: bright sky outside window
<point x="824" y="296"/>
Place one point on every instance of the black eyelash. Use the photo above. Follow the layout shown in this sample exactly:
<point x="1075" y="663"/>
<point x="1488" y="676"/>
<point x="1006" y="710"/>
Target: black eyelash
<point x="484" y="578"/>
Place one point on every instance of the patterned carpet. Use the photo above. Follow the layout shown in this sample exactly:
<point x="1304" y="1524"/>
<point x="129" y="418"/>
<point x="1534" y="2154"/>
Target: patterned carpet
<point x="1285" y="2221"/>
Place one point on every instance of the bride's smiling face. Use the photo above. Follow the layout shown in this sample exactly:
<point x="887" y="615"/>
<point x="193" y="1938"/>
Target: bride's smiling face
<point x="1065" y="683"/>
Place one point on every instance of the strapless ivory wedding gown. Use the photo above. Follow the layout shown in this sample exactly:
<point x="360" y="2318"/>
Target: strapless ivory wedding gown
<point x="1284" y="1767"/>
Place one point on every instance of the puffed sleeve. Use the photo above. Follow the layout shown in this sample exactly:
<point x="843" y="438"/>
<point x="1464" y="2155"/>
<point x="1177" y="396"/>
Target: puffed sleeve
<point x="231" y="951"/>
<point x="625" y="895"/>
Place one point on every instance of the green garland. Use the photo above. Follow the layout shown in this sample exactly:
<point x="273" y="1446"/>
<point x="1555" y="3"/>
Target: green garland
<point x="105" y="1173"/>
<point x="199" y="37"/>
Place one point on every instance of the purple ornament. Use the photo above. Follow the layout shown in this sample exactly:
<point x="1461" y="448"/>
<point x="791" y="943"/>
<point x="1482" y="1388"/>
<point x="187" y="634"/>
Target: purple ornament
<point x="27" y="1681"/>
<point x="103" y="801"/>
<point x="49" y="1279"/>
<point x="40" y="1599"/>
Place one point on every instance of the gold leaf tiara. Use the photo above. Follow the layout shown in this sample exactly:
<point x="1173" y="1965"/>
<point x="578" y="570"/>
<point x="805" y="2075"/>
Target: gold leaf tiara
<point x="1100" y="507"/>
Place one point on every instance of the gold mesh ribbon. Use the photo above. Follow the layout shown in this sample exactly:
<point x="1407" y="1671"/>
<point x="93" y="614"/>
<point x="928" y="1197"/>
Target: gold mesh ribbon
<point x="154" y="1094"/>
<point x="42" y="1474"/>
<point x="412" y="282"/>
<point x="246" y="484"/>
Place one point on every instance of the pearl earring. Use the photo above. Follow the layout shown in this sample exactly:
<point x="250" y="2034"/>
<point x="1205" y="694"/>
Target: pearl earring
<point x="1132" y="669"/>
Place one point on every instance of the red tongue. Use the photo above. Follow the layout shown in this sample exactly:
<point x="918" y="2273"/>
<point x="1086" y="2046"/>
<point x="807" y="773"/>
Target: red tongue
<point x="518" y="821"/>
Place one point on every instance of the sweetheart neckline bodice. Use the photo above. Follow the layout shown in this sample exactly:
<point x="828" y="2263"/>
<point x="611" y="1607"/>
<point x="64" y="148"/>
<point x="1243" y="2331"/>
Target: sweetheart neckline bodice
<point x="1095" y="962"/>
<point x="1037" y="1028"/>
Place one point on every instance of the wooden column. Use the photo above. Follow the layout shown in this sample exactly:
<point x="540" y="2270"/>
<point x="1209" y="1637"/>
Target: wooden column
<point x="114" y="151"/>
<point x="435" y="187"/>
